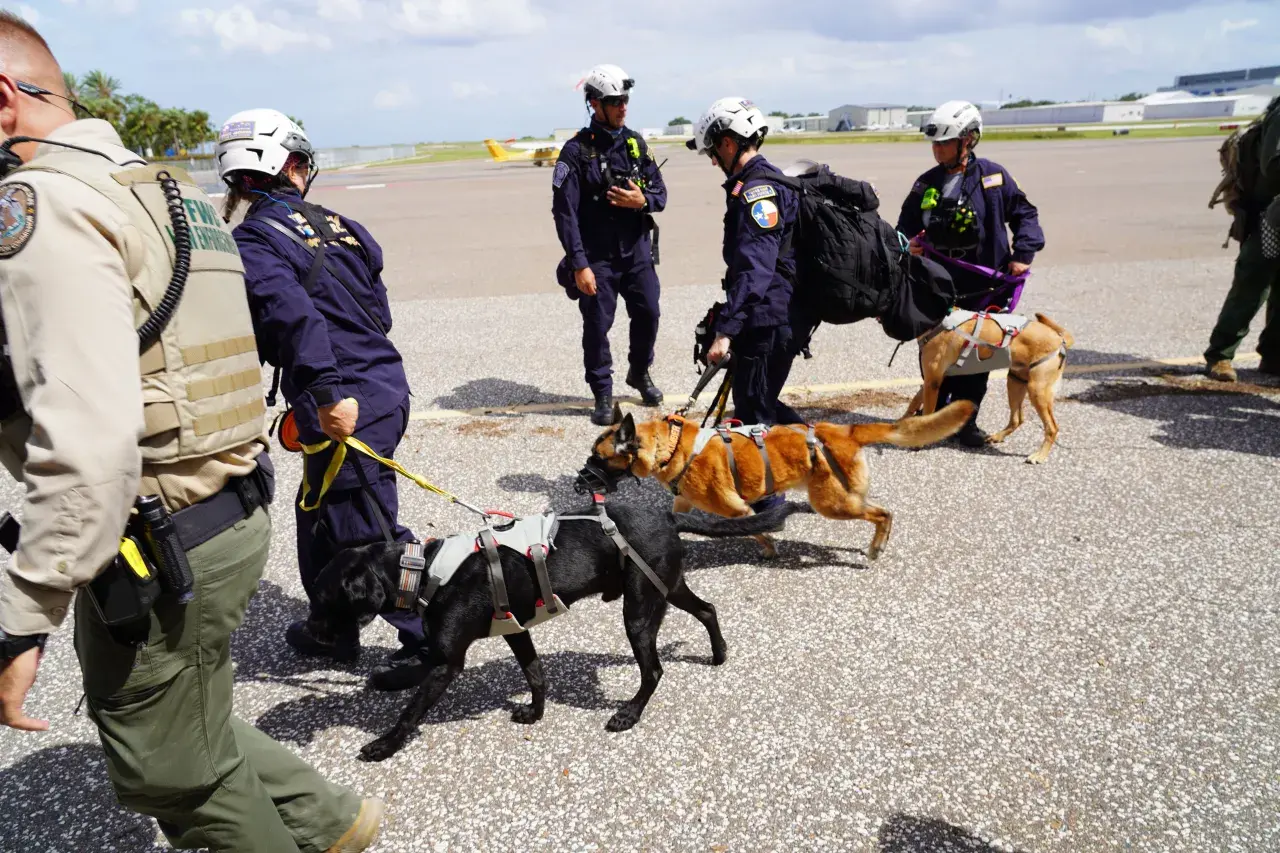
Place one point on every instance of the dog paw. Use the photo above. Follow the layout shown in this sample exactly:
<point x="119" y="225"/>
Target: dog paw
<point x="525" y="715"/>
<point x="997" y="438"/>
<point x="1037" y="458"/>
<point x="874" y="552"/>
<point x="769" y="552"/>
<point x="623" y="720"/>
<point x="719" y="656"/>
<point x="380" y="749"/>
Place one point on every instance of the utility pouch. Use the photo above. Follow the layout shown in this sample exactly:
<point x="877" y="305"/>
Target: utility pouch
<point x="126" y="590"/>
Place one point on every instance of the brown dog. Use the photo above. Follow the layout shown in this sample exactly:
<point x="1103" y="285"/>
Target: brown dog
<point x="826" y="458"/>
<point x="1038" y="355"/>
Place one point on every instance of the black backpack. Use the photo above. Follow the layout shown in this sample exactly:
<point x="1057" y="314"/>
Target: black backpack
<point x="852" y="265"/>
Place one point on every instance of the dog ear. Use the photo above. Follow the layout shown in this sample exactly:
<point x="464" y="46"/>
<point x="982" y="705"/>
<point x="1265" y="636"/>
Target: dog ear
<point x="617" y="413"/>
<point x="627" y="432"/>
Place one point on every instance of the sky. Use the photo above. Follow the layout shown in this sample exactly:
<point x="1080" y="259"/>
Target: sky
<point x="381" y="71"/>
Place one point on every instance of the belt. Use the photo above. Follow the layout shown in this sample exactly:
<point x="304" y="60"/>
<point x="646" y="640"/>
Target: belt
<point x="236" y="501"/>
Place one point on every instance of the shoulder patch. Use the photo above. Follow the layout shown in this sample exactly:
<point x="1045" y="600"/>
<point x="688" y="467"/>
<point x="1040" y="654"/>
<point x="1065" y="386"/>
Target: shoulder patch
<point x="559" y="175"/>
<point x="17" y="217"/>
<point x="757" y="193"/>
<point x="990" y="182"/>
<point x="765" y="214"/>
<point x="919" y="187"/>
<point x="737" y="188"/>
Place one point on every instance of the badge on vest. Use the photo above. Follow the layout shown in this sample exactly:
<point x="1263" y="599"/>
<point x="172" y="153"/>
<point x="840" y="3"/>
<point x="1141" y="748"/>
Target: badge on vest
<point x="990" y="182"/>
<point x="765" y="213"/>
<point x="17" y="217"/>
<point x="757" y="193"/>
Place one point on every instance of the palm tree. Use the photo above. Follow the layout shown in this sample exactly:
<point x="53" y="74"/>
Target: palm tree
<point x="100" y="86"/>
<point x="71" y="83"/>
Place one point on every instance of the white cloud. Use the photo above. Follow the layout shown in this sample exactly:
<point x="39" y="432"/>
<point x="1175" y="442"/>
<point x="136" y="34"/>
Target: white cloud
<point x="340" y="10"/>
<point x="1114" y="37"/>
<point x="120" y="7"/>
<point x="31" y="16"/>
<point x="466" y="91"/>
<point x="239" y="28"/>
<point x="1229" y="26"/>
<point x="397" y="97"/>
<point x="464" y="20"/>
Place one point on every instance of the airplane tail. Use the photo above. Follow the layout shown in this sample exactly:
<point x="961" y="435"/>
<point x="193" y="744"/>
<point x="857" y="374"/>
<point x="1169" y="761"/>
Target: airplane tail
<point x="496" y="151"/>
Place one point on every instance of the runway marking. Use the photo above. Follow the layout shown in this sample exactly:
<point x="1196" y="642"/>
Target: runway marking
<point x="365" y="186"/>
<point x="803" y="390"/>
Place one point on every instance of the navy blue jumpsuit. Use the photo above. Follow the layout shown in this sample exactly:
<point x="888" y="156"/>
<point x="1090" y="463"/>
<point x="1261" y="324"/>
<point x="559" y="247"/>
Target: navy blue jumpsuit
<point x="1000" y="205"/>
<point x="613" y="241"/>
<point x="759" y="223"/>
<point x="330" y="343"/>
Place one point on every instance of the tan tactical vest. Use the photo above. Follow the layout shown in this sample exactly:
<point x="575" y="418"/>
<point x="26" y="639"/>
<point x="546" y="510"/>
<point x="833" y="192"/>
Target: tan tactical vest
<point x="201" y="381"/>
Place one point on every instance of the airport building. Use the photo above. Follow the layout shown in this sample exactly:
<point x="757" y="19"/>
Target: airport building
<point x="867" y="117"/>
<point x="1083" y="112"/>
<point x="815" y="123"/>
<point x="1225" y="82"/>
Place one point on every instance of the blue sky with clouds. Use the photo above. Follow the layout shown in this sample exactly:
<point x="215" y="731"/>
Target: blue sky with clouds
<point x="373" y="71"/>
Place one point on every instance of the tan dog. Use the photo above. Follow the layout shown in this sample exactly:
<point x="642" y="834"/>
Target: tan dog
<point x="826" y="458"/>
<point x="1038" y="356"/>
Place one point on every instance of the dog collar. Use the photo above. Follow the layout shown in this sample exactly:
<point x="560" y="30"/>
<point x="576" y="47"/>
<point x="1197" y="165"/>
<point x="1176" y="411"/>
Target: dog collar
<point x="412" y="564"/>
<point x="675" y="432"/>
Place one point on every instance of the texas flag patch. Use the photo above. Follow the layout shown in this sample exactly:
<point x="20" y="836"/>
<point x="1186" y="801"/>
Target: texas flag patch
<point x="765" y="213"/>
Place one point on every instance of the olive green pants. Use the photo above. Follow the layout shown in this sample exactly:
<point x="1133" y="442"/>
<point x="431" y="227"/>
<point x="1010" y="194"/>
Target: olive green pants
<point x="163" y="710"/>
<point x="1256" y="281"/>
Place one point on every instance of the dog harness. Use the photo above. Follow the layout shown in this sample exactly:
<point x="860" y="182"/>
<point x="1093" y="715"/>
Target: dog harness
<point x="534" y="537"/>
<point x="757" y="434"/>
<point x="1010" y="325"/>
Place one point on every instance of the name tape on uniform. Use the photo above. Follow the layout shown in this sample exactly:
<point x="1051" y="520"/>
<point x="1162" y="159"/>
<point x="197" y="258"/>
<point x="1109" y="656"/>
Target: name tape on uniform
<point x="757" y="193"/>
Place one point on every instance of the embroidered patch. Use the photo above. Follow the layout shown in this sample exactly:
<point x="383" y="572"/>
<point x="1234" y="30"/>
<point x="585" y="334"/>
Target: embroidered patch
<point x="757" y="193"/>
<point x="920" y="186"/>
<point x="17" y="217"/>
<point x="560" y="174"/>
<point x="765" y="213"/>
<point x="737" y="188"/>
<point x="990" y="182"/>
<point x="236" y="130"/>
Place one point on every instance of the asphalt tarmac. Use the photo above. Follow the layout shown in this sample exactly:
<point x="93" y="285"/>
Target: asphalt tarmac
<point x="1079" y="656"/>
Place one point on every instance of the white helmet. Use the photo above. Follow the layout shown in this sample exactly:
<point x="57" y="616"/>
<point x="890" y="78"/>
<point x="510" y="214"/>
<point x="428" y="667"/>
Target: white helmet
<point x="953" y="120"/>
<point x="260" y="141"/>
<point x="727" y="115"/>
<point x="606" y="81"/>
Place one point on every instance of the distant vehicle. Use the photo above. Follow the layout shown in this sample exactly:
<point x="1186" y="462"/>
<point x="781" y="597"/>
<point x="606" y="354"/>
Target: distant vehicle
<point x="540" y="153"/>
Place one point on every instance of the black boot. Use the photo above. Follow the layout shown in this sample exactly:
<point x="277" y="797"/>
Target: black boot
<point x="300" y="638"/>
<point x="405" y="668"/>
<point x="649" y="393"/>
<point x="602" y="415"/>
<point x="971" y="435"/>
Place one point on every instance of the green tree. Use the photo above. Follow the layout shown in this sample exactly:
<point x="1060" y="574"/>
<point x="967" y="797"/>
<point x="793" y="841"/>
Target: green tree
<point x="1014" y="105"/>
<point x="679" y="120"/>
<point x="781" y="113"/>
<point x="1132" y="96"/>
<point x="100" y="86"/>
<point x="297" y="121"/>
<point x="919" y="109"/>
<point x="71" y="83"/>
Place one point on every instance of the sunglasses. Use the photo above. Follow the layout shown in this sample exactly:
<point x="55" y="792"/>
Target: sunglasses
<point x="616" y="100"/>
<point x="78" y="109"/>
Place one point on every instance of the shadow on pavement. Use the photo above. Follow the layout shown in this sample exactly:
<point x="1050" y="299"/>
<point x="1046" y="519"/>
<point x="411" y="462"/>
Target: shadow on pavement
<point x="60" y="799"/>
<point x="573" y="679"/>
<point x="493" y="393"/>
<point x="1196" y="413"/>
<point x="903" y="833"/>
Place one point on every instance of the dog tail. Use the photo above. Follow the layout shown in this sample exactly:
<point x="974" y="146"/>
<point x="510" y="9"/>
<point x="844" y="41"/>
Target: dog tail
<point x="770" y="521"/>
<point x="1066" y="336"/>
<point x="916" y="431"/>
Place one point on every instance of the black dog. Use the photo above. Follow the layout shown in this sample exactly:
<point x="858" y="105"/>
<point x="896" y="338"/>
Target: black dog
<point x="361" y="583"/>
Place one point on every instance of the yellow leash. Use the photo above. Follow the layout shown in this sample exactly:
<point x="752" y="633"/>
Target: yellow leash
<point x="340" y="456"/>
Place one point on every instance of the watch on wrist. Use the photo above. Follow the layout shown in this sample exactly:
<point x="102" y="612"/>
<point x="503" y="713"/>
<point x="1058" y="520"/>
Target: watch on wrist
<point x="11" y="646"/>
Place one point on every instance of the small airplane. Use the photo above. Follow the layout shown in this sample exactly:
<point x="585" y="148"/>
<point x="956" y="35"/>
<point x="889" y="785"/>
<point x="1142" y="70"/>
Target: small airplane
<point x="541" y="153"/>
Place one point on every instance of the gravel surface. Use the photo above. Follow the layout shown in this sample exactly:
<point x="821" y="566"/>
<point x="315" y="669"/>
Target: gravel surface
<point x="1080" y="656"/>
